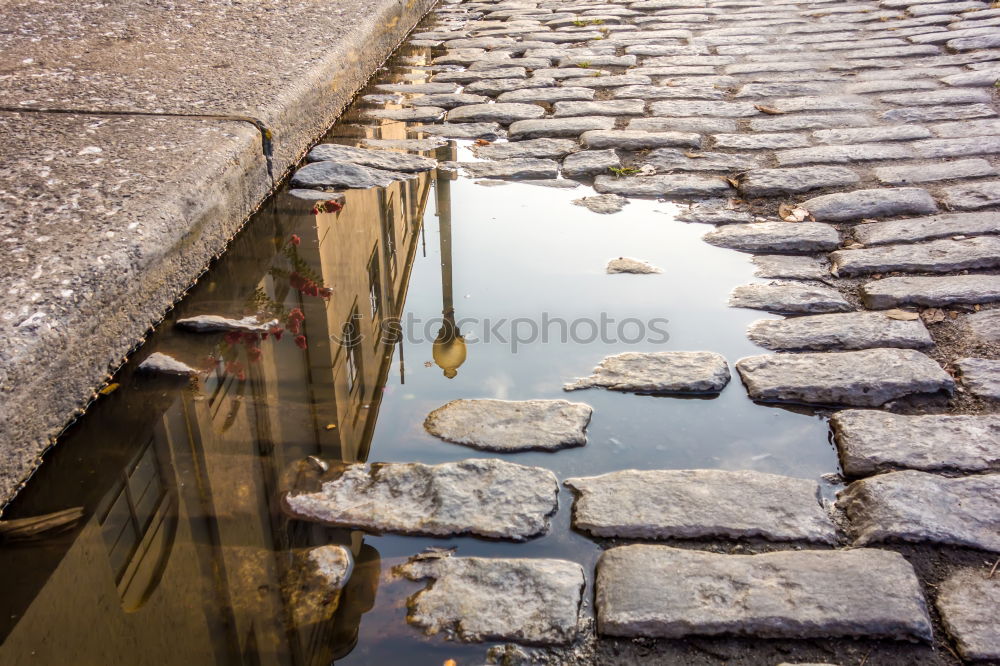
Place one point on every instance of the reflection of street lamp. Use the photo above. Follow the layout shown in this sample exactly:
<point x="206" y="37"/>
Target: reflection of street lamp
<point x="449" y="345"/>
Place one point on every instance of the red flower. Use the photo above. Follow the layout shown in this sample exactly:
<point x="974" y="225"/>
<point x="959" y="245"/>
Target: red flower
<point x="276" y="331"/>
<point x="293" y="326"/>
<point x="233" y="337"/>
<point x="254" y="354"/>
<point x="301" y="341"/>
<point x="296" y="240"/>
<point x="314" y="211"/>
<point x="333" y="206"/>
<point x="296" y="315"/>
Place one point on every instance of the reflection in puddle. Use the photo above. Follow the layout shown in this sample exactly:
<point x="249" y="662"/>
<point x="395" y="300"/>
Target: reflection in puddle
<point x="183" y="551"/>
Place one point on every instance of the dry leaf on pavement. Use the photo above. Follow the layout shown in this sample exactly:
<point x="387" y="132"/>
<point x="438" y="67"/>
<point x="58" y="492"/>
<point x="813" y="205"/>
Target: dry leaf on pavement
<point x="902" y="315"/>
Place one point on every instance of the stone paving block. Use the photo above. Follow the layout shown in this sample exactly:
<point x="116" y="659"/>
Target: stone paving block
<point x="164" y="364"/>
<point x="973" y="43"/>
<point x="926" y="173"/>
<point x="417" y="88"/>
<point x="630" y="265"/>
<point x="699" y="125"/>
<point x="597" y="61"/>
<point x="866" y="378"/>
<point x="822" y="103"/>
<point x="700" y="503"/>
<point x="499" y="86"/>
<point x="973" y="196"/>
<point x="616" y="108"/>
<point x="983" y="78"/>
<point x="710" y="109"/>
<point x="378" y="159"/>
<point x="925" y="98"/>
<point x="638" y="140"/>
<point x="773" y="89"/>
<point x="776" y="237"/>
<point x="468" y="76"/>
<point x="476" y="599"/>
<point x="760" y="141"/>
<point x="547" y="95"/>
<point x="789" y="297"/>
<point x="446" y="100"/>
<point x="963" y="147"/>
<point x="713" y="213"/>
<point x="802" y="122"/>
<point x="871" y="134"/>
<point x="931" y="291"/>
<point x="557" y="127"/>
<point x="679" y="186"/>
<point x="791" y="267"/>
<point x="513" y="168"/>
<point x="511" y="425"/>
<point x="985" y="325"/>
<point x="839" y="331"/>
<point x="846" y="154"/>
<point x="862" y="204"/>
<point x="613" y="81"/>
<point x="485" y="497"/>
<point x="925" y="114"/>
<point x="537" y="148"/>
<point x="663" y="592"/>
<point x="888" y="85"/>
<point x="938" y="256"/>
<point x="672" y="159"/>
<point x="924" y="508"/>
<point x="503" y="113"/>
<point x="927" y="228"/>
<point x="668" y="92"/>
<point x="590" y="163"/>
<point x="872" y="441"/>
<point x="658" y="372"/>
<point x="967" y="601"/>
<point x="980" y="376"/>
<point x="344" y="175"/>
<point x="774" y="182"/>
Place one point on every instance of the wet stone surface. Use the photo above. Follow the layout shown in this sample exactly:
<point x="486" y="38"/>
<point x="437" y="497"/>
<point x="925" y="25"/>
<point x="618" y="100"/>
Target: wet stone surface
<point x="776" y="237"/>
<point x="379" y="159"/>
<point x="846" y="331"/>
<point x="701" y="503"/>
<point x="924" y="508"/>
<point x="507" y="426"/>
<point x="161" y="363"/>
<point x="605" y="204"/>
<point x="658" y="372"/>
<point x="647" y="591"/>
<point x="866" y="378"/>
<point x="485" y="497"/>
<point x="476" y="599"/>
<point x="790" y="297"/>
<point x="871" y="442"/>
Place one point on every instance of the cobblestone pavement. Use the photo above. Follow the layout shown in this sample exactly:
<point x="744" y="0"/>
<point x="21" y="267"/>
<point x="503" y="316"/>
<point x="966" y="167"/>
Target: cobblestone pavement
<point x="851" y="148"/>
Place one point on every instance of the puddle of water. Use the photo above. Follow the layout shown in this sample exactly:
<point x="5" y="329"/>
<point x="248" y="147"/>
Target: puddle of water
<point x="181" y="551"/>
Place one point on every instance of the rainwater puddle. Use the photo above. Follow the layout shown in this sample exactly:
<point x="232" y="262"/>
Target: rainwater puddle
<point x="182" y="549"/>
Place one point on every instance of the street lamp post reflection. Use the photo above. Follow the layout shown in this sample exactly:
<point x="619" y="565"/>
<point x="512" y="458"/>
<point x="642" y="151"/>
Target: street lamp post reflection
<point x="449" y="345"/>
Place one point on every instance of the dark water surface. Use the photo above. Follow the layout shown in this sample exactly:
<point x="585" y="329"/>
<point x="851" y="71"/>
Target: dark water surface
<point x="181" y="553"/>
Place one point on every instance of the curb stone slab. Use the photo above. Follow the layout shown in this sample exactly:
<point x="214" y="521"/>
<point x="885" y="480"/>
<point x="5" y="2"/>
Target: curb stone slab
<point x="967" y="602"/>
<point x="700" y="503"/>
<point x="507" y="425"/>
<point x="658" y="372"/>
<point x="980" y="376"/>
<point x="534" y="601"/>
<point x="846" y="330"/>
<point x="663" y="592"/>
<point x="776" y="237"/>
<point x="866" y="378"/>
<point x="924" y="508"/>
<point x="873" y="441"/>
<point x="485" y="497"/>
<point x="789" y="297"/>
<point x="931" y="291"/>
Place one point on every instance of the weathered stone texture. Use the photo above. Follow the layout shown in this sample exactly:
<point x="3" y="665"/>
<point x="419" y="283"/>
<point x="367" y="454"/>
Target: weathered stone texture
<point x="927" y="228"/>
<point x="789" y="297"/>
<point x="980" y="376"/>
<point x="839" y="331"/>
<point x="938" y="256"/>
<point x="931" y="291"/>
<point x="658" y="372"/>
<point x="508" y="425"/>
<point x="967" y="602"/>
<point x="776" y="237"/>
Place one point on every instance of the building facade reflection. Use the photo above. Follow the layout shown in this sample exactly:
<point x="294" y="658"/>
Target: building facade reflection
<point x="184" y="551"/>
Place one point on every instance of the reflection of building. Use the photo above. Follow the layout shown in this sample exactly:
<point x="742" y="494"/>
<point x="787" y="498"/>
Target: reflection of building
<point x="184" y="548"/>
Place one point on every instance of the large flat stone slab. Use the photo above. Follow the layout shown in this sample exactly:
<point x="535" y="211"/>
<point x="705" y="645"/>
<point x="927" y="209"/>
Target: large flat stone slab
<point x="525" y="167"/>
<point x="981" y="376"/>
<point x="924" y="508"/>
<point x="927" y="228"/>
<point x="839" y="331"/>
<point x="866" y="378"/>
<point x="775" y="182"/>
<point x="483" y="497"/>
<point x="872" y="441"/>
<point x="558" y="127"/>
<point x="379" y="159"/>
<point x="538" y="148"/>
<point x="791" y="267"/>
<point x="931" y="291"/>
<point x="776" y="237"/>
<point x="502" y="112"/>
<point x="861" y="204"/>
<point x="789" y="297"/>
<point x="939" y="256"/>
<point x="344" y="175"/>
<point x="508" y="425"/>
<point x="700" y="503"/>
<point x="967" y="602"/>
<point x="658" y="372"/>
<point x="675" y="186"/>
<point x="663" y="592"/>
<point x="476" y="599"/>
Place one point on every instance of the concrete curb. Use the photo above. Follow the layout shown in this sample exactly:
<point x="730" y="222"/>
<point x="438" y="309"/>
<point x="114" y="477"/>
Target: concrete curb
<point x="98" y="250"/>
